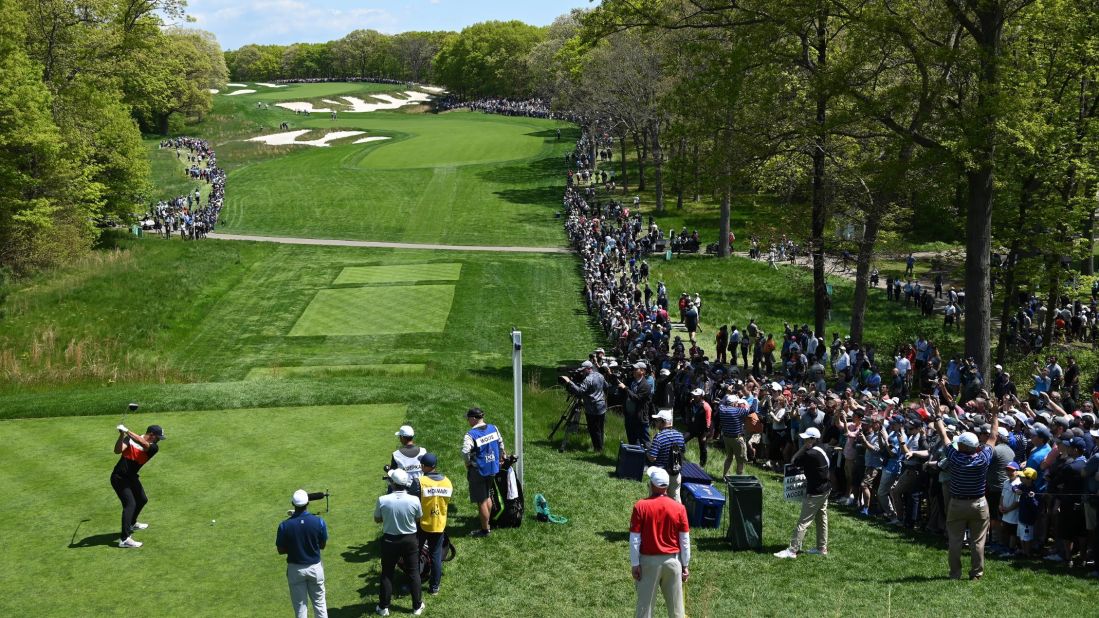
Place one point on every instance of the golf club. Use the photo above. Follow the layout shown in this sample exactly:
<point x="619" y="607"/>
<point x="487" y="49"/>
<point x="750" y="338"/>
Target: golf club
<point x="131" y="408"/>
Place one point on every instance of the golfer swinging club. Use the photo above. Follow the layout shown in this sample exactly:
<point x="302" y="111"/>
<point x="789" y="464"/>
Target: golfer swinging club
<point x="136" y="451"/>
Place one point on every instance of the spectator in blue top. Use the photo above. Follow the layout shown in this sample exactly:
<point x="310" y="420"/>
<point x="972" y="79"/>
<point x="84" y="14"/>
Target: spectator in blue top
<point x="301" y="537"/>
<point x="666" y="451"/>
<point x="730" y="423"/>
<point x="1041" y="440"/>
<point x="968" y="460"/>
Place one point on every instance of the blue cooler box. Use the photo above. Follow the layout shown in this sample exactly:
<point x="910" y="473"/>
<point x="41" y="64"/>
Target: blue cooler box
<point x="704" y="505"/>
<point x="631" y="462"/>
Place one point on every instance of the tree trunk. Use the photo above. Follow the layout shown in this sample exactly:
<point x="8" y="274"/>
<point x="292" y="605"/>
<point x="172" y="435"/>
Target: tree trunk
<point x="625" y="169"/>
<point x="862" y="274"/>
<point x="1090" y="193"/>
<point x="1053" y="264"/>
<point x="680" y="181"/>
<point x="697" y="166"/>
<point x="658" y="167"/>
<point x="162" y="123"/>
<point x="820" y="142"/>
<point x="1025" y="199"/>
<point x="641" y="145"/>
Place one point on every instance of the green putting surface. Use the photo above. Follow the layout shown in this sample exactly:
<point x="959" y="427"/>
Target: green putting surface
<point x="322" y="371"/>
<point x="403" y="273"/>
<point x="217" y="491"/>
<point x="386" y="310"/>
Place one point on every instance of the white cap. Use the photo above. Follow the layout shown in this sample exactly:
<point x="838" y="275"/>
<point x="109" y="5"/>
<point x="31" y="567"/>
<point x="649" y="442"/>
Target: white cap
<point x="1003" y="432"/>
<point x="664" y="415"/>
<point x="658" y="476"/>
<point x="968" y="439"/>
<point x="586" y="365"/>
<point x="812" y="432"/>
<point x="405" y="431"/>
<point x="300" y="498"/>
<point x="698" y="392"/>
<point x="399" y="477"/>
<point x="775" y="386"/>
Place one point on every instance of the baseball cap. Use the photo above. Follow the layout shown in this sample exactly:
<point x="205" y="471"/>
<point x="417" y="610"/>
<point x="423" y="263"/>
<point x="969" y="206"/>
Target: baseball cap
<point x="664" y="415"/>
<point x="1028" y="473"/>
<point x="300" y="498"/>
<point x="969" y="439"/>
<point x="1042" y="431"/>
<point x="1011" y="465"/>
<point x="985" y="429"/>
<point x="475" y="413"/>
<point x="665" y="372"/>
<point x="157" y="431"/>
<point x="1078" y="443"/>
<point x="1003" y="433"/>
<point x="640" y="365"/>
<point x="812" y="432"/>
<point x="405" y="431"/>
<point x="698" y="392"/>
<point x="658" y="476"/>
<point x="429" y="460"/>
<point x="586" y="365"/>
<point x="775" y="386"/>
<point x="600" y="351"/>
<point x="399" y="477"/>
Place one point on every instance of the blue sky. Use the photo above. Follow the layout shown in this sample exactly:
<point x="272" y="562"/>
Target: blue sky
<point x="239" y="22"/>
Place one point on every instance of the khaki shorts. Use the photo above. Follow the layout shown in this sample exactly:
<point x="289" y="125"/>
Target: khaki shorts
<point x="870" y="478"/>
<point x="736" y="447"/>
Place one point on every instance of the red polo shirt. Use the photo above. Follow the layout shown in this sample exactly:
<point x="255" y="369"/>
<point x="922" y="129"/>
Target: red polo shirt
<point x="659" y="519"/>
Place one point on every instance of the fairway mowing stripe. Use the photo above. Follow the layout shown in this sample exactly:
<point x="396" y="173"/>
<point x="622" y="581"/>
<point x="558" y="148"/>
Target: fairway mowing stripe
<point x="312" y="371"/>
<point x="401" y="273"/>
<point x="386" y="310"/>
<point x="286" y="240"/>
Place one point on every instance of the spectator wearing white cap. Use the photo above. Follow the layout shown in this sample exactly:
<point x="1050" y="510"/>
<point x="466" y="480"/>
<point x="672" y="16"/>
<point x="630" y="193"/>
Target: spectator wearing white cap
<point x="814" y="462"/>
<point x="968" y="460"/>
<point x="730" y="424"/>
<point x="407" y="457"/>
<point x="660" y="547"/>
<point x="666" y="450"/>
<point x="301" y="537"/>
<point x="399" y="512"/>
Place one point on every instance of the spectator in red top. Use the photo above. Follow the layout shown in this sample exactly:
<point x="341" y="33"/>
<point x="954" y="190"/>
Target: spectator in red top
<point x="660" y="547"/>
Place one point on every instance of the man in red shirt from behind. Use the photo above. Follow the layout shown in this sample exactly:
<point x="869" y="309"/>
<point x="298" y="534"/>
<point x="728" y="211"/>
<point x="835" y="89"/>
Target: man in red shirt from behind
<point x="660" y="547"/>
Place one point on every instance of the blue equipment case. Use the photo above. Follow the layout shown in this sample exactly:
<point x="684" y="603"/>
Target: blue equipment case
<point x="631" y="462"/>
<point x="704" y="505"/>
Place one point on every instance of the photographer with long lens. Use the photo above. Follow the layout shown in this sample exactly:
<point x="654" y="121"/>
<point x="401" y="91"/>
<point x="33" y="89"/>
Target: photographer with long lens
<point x="639" y="400"/>
<point x="592" y="392"/>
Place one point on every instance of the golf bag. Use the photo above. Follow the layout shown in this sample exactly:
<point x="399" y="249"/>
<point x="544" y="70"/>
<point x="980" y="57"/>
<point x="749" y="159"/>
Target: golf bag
<point x="507" y="500"/>
<point x="449" y="552"/>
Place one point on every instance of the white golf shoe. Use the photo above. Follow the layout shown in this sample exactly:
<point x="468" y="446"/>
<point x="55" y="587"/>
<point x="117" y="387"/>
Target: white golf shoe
<point x="139" y="526"/>
<point x="786" y="553"/>
<point x="419" y="611"/>
<point x="129" y="542"/>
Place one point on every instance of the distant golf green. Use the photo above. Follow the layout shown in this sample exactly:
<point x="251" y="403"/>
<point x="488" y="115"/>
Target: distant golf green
<point x="379" y="310"/>
<point x="403" y="273"/>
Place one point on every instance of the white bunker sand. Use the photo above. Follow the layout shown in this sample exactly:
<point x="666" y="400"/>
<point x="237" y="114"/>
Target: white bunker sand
<point x="434" y="89"/>
<point x="359" y="105"/>
<point x="237" y="85"/>
<point x="236" y="92"/>
<point x="366" y="140"/>
<point x="291" y="137"/>
<point x="214" y="91"/>
<point x="271" y="85"/>
<point x="298" y="106"/>
<point x="331" y="102"/>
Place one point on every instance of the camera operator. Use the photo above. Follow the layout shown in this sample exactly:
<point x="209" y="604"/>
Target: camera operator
<point x="591" y="391"/>
<point x="639" y="398"/>
<point x="699" y="423"/>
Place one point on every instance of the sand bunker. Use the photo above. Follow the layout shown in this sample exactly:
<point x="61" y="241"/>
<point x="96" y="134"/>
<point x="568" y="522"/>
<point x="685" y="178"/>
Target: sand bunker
<point x="331" y="102"/>
<point x="359" y="105"/>
<point x="237" y="85"/>
<point x="271" y="85"/>
<point x="236" y="92"/>
<point x="298" y="106"/>
<point x="367" y="140"/>
<point x="291" y="137"/>
<point x="214" y="91"/>
<point x="434" y="89"/>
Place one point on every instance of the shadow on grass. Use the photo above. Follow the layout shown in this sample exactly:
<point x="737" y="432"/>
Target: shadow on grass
<point x="109" y="539"/>
<point x="367" y="552"/>
<point x="615" y="536"/>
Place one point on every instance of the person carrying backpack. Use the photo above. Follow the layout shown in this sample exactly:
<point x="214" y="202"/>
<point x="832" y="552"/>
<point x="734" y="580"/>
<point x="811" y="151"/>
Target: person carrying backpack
<point x="666" y="451"/>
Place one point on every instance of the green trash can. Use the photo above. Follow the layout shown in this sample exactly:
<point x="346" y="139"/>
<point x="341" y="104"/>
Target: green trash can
<point x="745" y="519"/>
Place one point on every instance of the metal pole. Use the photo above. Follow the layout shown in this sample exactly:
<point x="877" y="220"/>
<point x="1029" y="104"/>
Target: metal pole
<point x="517" y="378"/>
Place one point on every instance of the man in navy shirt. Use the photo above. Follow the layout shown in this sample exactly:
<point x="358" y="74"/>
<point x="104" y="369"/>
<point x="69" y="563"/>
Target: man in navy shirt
<point x="301" y="537"/>
<point x="967" y="460"/>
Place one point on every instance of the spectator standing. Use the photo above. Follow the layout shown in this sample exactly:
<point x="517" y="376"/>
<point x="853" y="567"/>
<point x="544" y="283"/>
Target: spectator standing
<point x="666" y="451"/>
<point x="638" y="408"/>
<point x="592" y="391"/>
<point x="407" y="457"/>
<point x="730" y="424"/>
<point x="301" y="537"/>
<point x="399" y="512"/>
<point x="699" y="423"/>
<point x="815" y="463"/>
<point x="660" y="548"/>
<point x="482" y="449"/>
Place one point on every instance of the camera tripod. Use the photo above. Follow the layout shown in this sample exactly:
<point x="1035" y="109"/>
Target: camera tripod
<point x="572" y="420"/>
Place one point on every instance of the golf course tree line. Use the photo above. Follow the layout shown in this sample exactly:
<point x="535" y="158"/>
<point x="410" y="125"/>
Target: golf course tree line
<point x="79" y="81"/>
<point x="962" y="121"/>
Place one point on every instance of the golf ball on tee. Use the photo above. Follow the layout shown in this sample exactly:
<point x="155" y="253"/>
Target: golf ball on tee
<point x="213" y="521"/>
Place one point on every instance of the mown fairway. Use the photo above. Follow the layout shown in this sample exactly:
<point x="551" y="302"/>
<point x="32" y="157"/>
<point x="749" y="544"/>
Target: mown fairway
<point x="276" y="367"/>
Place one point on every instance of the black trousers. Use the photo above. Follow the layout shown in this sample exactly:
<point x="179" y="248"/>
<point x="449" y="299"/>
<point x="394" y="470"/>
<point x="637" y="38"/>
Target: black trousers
<point x="132" y="496"/>
<point x="595" y="429"/>
<point x="404" y="547"/>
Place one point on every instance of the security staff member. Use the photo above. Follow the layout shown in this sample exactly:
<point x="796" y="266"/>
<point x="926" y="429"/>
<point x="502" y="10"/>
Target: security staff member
<point x="482" y="449"/>
<point x="407" y="457"/>
<point x="660" y="547"/>
<point x="436" y="491"/>
<point x="136" y="451"/>
<point x="301" y="537"/>
<point x="398" y="512"/>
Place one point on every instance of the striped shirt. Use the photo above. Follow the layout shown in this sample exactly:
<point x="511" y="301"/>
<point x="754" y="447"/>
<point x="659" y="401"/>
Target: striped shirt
<point x="662" y="445"/>
<point x="968" y="472"/>
<point x="731" y="420"/>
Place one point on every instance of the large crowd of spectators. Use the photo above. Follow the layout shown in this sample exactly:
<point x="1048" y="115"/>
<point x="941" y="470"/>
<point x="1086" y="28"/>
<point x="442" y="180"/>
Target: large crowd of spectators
<point x="186" y="214"/>
<point x="878" y="415"/>
<point x="325" y="80"/>
<point x="533" y="108"/>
